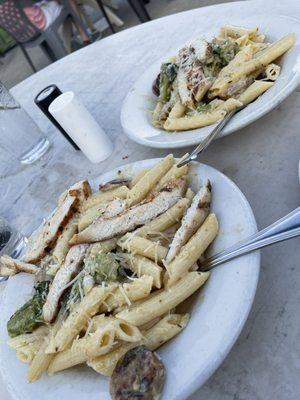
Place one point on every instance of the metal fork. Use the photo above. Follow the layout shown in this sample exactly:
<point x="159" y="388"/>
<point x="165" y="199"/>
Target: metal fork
<point x="283" y="229"/>
<point x="206" y="142"/>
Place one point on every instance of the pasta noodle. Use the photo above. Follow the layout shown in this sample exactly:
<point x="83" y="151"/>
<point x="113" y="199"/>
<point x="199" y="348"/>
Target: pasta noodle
<point x="173" y="173"/>
<point x="138" y="289"/>
<point x="143" y="266"/>
<point x="193" y="83"/>
<point x="192" y="250"/>
<point x="160" y="333"/>
<point x="261" y="60"/>
<point x="144" y="247"/>
<point x="150" y="179"/>
<point x="42" y="360"/>
<point x="192" y="122"/>
<point x="253" y="91"/>
<point x="78" y="319"/>
<point x="104" y="197"/>
<point x="165" y="301"/>
<point x="93" y="345"/>
<point x="138" y="177"/>
<point x="103" y="310"/>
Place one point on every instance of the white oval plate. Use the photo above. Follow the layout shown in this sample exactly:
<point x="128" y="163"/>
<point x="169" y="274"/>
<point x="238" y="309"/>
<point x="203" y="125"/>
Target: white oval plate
<point x="137" y="106"/>
<point x="218" y="312"/>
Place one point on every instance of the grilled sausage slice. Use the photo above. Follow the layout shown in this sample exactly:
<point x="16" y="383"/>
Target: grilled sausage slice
<point x="139" y="375"/>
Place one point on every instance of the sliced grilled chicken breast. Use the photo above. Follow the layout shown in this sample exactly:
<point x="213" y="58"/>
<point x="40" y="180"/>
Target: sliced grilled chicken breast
<point x="53" y="227"/>
<point x="64" y="275"/>
<point x="106" y="228"/>
<point x="193" y="219"/>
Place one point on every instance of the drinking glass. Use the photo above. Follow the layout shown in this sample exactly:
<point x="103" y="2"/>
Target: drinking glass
<point x="19" y="135"/>
<point x="12" y="242"/>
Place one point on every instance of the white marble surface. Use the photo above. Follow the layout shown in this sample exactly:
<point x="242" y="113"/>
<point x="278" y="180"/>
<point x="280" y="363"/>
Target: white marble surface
<point x="262" y="159"/>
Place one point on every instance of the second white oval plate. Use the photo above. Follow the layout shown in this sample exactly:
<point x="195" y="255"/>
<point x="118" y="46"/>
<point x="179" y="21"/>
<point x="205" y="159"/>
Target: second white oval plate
<point x="218" y="312"/>
<point x="137" y="106"/>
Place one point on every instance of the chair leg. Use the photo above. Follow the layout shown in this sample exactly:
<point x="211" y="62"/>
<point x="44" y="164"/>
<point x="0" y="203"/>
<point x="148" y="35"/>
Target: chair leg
<point x="27" y="57"/>
<point x="139" y="8"/>
<point x="102" y="8"/>
<point x="48" y="51"/>
<point x="77" y="20"/>
<point x="55" y="43"/>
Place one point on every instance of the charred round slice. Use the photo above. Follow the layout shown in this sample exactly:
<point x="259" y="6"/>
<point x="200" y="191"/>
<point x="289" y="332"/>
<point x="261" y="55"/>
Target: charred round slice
<point x="139" y="375"/>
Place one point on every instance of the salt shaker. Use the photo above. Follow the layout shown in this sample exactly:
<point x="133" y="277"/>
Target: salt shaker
<point x="81" y="126"/>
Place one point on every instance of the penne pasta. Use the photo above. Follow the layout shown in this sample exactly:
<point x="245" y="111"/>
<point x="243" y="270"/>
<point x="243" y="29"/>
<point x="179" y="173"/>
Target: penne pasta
<point x="103" y="247"/>
<point x="192" y="250"/>
<point x="104" y="197"/>
<point x="144" y="247"/>
<point x="272" y="72"/>
<point x="126" y="293"/>
<point x="191" y="122"/>
<point x="41" y="360"/>
<point x="93" y="345"/>
<point x="87" y="217"/>
<point x="173" y="173"/>
<point x="154" y="337"/>
<point x="150" y="179"/>
<point x="123" y="330"/>
<point x="164" y="301"/>
<point x="255" y="90"/>
<point x="237" y="31"/>
<point x="177" y="110"/>
<point x="143" y="266"/>
<point x="78" y="318"/>
<point x="138" y="177"/>
<point x="262" y="59"/>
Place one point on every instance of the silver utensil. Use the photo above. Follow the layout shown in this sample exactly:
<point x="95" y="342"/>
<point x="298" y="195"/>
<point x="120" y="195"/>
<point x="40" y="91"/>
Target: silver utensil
<point x="206" y="142"/>
<point x="283" y="229"/>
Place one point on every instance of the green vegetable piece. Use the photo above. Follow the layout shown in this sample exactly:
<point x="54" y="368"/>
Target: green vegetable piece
<point x="203" y="107"/>
<point x="29" y="316"/>
<point x="103" y="267"/>
<point x="225" y="51"/>
<point x="168" y="74"/>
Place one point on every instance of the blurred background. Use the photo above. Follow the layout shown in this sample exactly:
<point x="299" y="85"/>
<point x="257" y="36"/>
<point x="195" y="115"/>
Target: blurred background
<point x="34" y="34"/>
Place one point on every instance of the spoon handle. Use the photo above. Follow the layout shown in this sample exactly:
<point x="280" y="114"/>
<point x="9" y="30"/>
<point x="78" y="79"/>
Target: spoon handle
<point x="283" y="229"/>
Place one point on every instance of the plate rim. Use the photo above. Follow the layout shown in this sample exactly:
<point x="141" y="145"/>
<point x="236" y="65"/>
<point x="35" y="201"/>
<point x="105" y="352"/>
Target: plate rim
<point x="198" y="379"/>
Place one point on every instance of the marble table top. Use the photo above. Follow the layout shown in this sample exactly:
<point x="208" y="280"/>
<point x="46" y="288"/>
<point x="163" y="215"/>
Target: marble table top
<point x="262" y="159"/>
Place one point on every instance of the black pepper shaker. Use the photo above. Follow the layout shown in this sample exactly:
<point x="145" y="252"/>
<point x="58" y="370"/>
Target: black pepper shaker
<point x="43" y="100"/>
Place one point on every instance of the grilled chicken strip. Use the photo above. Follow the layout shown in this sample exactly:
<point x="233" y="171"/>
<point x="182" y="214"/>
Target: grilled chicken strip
<point x="53" y="227"/>
<point x="106" y="228"/>
<point x="65" y="274"/>
<point x="193" y="219"/>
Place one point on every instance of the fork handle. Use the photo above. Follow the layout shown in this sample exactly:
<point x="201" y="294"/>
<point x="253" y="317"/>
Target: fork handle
<point x="283" y="229"/>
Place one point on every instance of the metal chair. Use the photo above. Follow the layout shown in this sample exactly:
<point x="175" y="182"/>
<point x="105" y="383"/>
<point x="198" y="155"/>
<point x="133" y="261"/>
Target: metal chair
<point x="15" y="22"/>
<point x="139" y="8"/>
